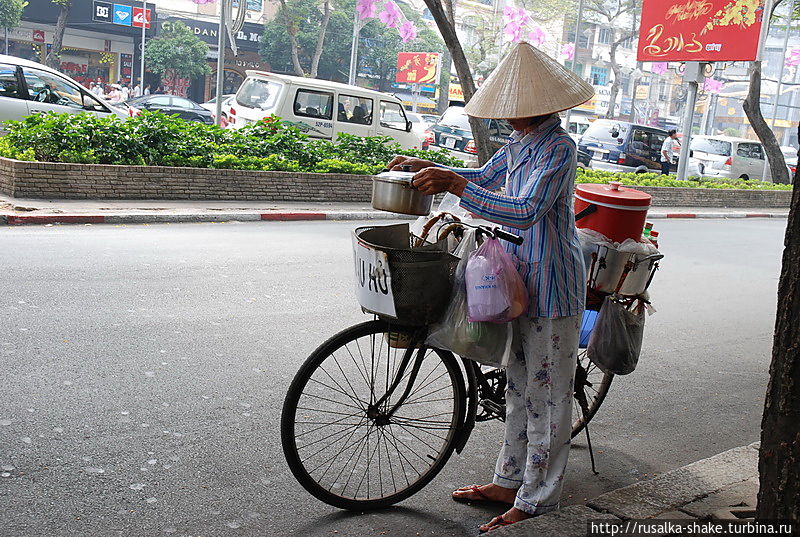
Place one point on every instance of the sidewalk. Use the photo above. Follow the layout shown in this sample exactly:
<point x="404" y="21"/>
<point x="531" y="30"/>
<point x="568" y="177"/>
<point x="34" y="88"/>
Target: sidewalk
<point x="709" y="489"/>
<point x="15" y="211"/>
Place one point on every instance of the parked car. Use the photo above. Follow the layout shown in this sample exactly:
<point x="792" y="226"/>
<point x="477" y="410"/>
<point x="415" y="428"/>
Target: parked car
<point x="454" y="133"/>
<point x="621" y="146"/>
<point x="28" y="87"/>
<point x="790" y="155"/>
<point x="418" y="126"/>
<point x="211" y="105"/>
<point x="577" y="125"/>
<point x="322" y="109"/>
<point x="729" y="157"/>
<point x="170" y="105"/>
<point x="430" y="119"/>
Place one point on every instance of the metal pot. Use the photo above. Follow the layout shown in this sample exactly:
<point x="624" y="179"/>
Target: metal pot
<point x="393" y="192"/>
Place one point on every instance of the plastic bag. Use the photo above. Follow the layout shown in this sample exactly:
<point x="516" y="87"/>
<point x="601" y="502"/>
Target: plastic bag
<point x="640" y="248"/>
<point x="450" y="204"/>
<point x="487" y="343"/>
<point x="495" y="290"/>
<point x="616" y="340"/>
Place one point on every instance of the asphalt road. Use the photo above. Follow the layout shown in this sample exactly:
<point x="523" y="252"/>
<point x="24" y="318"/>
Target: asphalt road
<point x="143" y="370"/>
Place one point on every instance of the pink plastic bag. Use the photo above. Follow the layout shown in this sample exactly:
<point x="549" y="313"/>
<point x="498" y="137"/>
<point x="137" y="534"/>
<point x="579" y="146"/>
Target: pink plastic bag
<point x="495" y="290"/>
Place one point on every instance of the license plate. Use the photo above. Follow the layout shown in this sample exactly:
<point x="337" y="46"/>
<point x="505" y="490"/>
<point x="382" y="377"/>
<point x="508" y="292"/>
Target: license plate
<point x="598" y="155"/>
<point x="450" y="142"/>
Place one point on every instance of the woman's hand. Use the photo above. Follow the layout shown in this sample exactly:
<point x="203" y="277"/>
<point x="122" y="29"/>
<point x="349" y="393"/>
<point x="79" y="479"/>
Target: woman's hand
<point x="416" y="164"/>
<point x="438" y="180"/>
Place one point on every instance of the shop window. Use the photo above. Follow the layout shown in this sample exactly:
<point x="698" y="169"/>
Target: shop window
<point x="356" y="110"/>
<point x="9" y="85"/>
<point x="598" y="76"/>
<point x="51" y="89"/>
<point x="392" y="116"/>
<point x="315" y="104"/>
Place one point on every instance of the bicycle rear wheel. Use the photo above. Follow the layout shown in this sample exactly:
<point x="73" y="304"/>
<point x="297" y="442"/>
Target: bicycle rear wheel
<point x="353" y="454"/>
<point x="591" y="388"/>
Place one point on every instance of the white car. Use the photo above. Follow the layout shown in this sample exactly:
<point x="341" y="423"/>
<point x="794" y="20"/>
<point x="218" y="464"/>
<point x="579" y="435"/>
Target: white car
<point x="28" y="87"/>
<point x="790" y="155"/>
<point x="211" y="105"/>
<point x="728" y="157"/>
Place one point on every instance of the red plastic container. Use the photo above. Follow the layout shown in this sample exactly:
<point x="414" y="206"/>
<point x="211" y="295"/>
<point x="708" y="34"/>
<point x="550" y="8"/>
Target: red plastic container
<point x="620" y="211"/>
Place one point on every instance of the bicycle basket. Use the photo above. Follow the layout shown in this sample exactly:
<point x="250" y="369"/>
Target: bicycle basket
<point x="421" y="277"/>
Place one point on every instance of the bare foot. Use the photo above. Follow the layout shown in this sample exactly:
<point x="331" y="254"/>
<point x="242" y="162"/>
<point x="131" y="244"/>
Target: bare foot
<point x="509" y="517"/>
<point x="485" y="493"/>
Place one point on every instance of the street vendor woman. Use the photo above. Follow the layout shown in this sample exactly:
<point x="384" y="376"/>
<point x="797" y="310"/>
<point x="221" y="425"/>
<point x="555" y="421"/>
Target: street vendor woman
<point x="537" y="168"/>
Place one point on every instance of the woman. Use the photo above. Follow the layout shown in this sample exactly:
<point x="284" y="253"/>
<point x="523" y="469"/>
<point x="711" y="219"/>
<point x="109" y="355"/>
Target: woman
<point x="537" y="168"/>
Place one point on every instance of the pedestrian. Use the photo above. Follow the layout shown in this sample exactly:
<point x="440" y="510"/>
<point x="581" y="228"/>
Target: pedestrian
<point x="125" y="92"/>
<point x="114" y="94"/>
<point x="137" y="90"/>
<point x="537" y="168"/>
<point x="147" y="89"/>
<point x="667" y="151"/>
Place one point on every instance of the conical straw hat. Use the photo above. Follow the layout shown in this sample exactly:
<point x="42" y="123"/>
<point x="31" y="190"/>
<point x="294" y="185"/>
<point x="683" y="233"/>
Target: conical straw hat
<point x="528" y="83"/>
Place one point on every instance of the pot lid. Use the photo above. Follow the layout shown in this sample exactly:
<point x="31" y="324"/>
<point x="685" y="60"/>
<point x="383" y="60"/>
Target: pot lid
<point x="396" y="177"/>
<point x="613" y="193"/>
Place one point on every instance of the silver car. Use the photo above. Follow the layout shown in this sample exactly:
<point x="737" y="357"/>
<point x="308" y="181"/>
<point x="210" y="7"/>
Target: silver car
<point x="728" y="157"/>
<point x="28" y="87"/>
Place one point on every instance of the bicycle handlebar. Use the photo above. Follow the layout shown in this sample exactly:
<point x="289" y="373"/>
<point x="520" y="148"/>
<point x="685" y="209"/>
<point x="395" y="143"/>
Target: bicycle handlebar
<point x="506" y="236"/>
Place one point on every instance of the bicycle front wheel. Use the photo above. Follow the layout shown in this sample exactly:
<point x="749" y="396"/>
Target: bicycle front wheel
<point x="349" y="451"/>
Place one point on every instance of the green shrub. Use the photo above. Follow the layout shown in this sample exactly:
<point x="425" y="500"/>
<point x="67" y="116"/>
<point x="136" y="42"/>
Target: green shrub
<point x="655" y="179"/>
<point x="342" y="166"/>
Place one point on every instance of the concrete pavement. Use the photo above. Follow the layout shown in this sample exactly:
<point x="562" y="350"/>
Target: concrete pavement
<point x="708" y="489"/>
<point x="17" y="211"/>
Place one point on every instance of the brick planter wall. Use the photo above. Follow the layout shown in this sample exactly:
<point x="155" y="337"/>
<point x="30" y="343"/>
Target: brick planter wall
<point x="45" y="180"/>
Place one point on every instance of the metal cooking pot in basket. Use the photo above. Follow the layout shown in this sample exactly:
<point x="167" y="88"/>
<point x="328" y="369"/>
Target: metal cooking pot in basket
<point x="612" y="271"/>
<point x="393" y="192"/>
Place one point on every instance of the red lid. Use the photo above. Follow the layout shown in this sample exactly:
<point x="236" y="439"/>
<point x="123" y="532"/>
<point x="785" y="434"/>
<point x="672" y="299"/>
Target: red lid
<point x="614" y="194"/>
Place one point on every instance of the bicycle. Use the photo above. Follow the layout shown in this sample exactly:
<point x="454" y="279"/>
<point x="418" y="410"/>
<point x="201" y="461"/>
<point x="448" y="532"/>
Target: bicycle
<point x="373" y="414"/>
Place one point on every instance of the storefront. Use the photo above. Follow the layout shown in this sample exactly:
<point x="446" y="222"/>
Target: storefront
<point x="107" y="47"/>
<point x="247" y="41"/>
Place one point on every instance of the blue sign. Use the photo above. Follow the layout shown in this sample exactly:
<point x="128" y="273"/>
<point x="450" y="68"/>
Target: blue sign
<point x="123" y="15"/>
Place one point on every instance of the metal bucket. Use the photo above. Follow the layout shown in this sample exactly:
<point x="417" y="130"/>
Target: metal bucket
<point x="393" y="192"/>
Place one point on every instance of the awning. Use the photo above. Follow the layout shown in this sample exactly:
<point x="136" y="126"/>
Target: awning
<point x="408" y="100"/>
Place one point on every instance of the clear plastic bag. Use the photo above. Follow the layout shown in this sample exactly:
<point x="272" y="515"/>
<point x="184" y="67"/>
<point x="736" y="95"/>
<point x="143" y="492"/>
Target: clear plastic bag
<point x="495" y="290"/>
<point x="616" y="340"/>
<point x="487" y="343"/>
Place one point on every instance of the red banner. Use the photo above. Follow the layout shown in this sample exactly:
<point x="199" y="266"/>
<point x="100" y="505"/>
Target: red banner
<point x="700" y="30"/>
<point x="417" y="67"/>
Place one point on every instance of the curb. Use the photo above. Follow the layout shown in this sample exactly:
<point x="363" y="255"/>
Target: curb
<point x="301" y="216"/>
<point x="646" y="499"/>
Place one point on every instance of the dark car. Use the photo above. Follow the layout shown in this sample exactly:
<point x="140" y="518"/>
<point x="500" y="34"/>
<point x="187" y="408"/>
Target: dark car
<point x="171" y="104"/>
<point x="453" y="132"/>
<point x="621" y="146"/>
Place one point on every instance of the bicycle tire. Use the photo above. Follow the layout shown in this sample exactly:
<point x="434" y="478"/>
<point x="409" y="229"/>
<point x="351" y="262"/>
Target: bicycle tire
<point x="595" y="399"/>
<point x="289" y="423"/>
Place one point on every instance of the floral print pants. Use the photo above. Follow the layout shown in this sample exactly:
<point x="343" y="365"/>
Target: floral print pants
<point x="539" y="411"/>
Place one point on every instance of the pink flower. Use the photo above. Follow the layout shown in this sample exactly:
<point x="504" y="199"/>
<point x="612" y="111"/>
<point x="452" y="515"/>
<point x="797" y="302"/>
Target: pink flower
<point x="390" y="16"/>
<point x="568" y="51"/>
<point x="537" y="36"/>
<point x="659" y="68"/>
<point x="513" y="31"/>
<point x="408" y="32"/>
<point x="366" y="9"/>
<point x="713" y="86"/>
<point x="793" y="60"/>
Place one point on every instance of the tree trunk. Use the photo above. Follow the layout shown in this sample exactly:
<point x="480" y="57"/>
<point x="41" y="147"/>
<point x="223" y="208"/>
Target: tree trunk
<point x="752" y="107"/>
<point x="53" y="59"/>
<point x="326" y="17"/>
<point x="779" y="459"/>
<point x="480" y="131"/>
<point x="291" y="29"/>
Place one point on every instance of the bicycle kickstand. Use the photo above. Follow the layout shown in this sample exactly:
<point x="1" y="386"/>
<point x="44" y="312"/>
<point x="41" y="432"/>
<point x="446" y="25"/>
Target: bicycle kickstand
<point x="591" y="451"/>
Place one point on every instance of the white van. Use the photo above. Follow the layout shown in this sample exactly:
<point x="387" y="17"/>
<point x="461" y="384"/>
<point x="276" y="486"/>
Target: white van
<point x="322" y="109"/>
<point x="727" y="157"/>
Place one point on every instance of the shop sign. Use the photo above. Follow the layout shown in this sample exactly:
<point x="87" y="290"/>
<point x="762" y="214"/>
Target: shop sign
<point x="417" y="67"/>
<point x="248" y="38"/>
<point x="123" y="15"/>
<point x="102" y="11"/>
<point x="455" y="93"/>
<point x="140" y="17"/>
<point x="700" y="30"/>
<point x="38" y="36"/>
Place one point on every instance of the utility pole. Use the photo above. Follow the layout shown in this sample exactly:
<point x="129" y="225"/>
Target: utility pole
<point x="223" y="8"/>
<point x="692" y="74"/>
<point x="780" y="81"/>
<point x="575" y="56"/>
<point x="144" y="27"/>
<point x="351" y="79"/>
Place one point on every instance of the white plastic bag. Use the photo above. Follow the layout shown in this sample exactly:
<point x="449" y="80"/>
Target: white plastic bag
<point x="495" y="290"/>
<point x="487" y="343"/>
<point x="616" y="339"/>
<point x="450" y="203"/>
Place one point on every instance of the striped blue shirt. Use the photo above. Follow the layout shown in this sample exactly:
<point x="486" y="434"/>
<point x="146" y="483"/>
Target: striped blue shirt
<point x="538" y="171"/>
